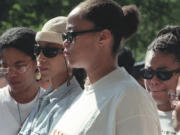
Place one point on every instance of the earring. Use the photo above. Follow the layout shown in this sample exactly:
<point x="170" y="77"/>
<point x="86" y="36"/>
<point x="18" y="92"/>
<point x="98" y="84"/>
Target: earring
<point x="37" y="75"/>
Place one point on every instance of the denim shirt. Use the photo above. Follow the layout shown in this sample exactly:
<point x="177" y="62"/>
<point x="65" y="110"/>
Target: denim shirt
<point x="49" y="109"/>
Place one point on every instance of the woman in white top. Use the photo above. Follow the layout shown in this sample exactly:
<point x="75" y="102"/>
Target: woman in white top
<point x="18" y="66"/>
<point x="113" y="103"/>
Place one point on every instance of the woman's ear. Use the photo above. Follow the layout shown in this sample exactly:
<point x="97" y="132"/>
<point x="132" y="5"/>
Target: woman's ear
<point x="105" y="37"/>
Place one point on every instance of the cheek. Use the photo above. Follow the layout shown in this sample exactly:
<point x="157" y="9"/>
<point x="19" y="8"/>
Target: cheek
<point x="161" y="97"/>
<point x="172" y="83"/>
<point x="78" y="53"/>
<point x="157" y="92"/>
<point x="58" y="64"/>
<point x="29" y="75"/>
<point x="83" y="45"/>
<point x="77" y="49"/>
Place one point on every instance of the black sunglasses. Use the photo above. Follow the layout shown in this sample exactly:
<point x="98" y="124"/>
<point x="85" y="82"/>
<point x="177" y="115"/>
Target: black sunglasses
<point x="48" y="52"/>
<point x="70" y="36"/>
<point x="161" y="74"/>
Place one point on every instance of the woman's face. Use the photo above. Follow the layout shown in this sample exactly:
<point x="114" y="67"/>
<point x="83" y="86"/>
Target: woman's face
<point x="83" y="50"/>
<point x="53" y="67"/>
<point x="20" y="69"/>
<point x="157" y="87"/>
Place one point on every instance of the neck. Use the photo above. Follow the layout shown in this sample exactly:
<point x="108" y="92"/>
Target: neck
<point x="165" y="107"/>
<point x="100" y="69"/>
<point x="59" y="80"/>
<point x="45" y="84"/>
<point x="25" y="95"/>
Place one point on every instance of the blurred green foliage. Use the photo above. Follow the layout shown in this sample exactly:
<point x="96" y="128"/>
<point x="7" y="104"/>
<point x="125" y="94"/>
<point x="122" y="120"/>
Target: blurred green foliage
<point x="156" y="14"/>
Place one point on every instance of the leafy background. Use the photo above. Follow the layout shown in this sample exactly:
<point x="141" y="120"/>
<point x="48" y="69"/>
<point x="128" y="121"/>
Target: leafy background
<point x="156" y="14"/>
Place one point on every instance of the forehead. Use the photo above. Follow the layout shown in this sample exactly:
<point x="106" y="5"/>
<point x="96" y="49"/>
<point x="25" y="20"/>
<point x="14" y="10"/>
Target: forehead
<point x="49" y="44"/>
<point x="161" y="60"/>
<point x="13" y="56"/>
<point x="77" y="22"/>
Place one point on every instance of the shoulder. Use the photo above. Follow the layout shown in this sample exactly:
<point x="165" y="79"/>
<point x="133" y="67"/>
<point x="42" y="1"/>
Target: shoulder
<point x="5" y="97"/>
<point x="125" y="83"/>
<point x="4" y="94"/>
<point x="130" y="92"/>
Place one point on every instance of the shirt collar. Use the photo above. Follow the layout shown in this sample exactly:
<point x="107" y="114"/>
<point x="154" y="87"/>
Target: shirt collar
<point x="117" y="73"/>
<point x="61" y="91"/>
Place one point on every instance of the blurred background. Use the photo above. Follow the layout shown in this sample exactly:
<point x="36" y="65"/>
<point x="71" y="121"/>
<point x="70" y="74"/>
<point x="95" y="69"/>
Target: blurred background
<point x="156" y="14"/>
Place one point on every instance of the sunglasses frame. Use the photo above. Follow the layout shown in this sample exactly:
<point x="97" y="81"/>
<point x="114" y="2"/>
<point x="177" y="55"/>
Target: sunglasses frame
<point x="70" y="36"/>
<point x="45" y="49"/>
<point x="158" y="73"/>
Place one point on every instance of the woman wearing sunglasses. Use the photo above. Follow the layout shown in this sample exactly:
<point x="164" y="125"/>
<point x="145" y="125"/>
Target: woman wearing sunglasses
<point x="113" y="103"/>
<point x="53" y="66"/>
<point x="162" y="69"/>
<point x="18" y="66"/>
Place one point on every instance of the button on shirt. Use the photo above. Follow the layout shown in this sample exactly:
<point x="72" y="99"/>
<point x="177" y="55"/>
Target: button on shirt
<point x="49" y="109"/>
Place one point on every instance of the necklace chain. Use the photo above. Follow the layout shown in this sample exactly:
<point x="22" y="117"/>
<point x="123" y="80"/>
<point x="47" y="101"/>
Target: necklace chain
<point x="19" y="111"/>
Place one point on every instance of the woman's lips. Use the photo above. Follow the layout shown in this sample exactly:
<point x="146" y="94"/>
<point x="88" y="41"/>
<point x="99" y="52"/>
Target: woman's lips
<point x="157" y="90"/>
<point x="14" y="82"/>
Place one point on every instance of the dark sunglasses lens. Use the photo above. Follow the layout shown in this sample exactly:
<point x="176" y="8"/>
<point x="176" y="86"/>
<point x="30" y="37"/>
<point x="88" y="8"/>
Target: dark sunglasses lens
<point x="37" y="50"/>
<point x="50" y="52"/>
<point x="70" y="37"/>
<point x="64" y="36"/>
<point x="163" y="75"/>
<point x="147" y="74"/>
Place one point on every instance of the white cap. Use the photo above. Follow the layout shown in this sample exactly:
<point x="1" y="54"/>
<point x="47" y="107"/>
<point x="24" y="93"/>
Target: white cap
<point x="52" y="30"/>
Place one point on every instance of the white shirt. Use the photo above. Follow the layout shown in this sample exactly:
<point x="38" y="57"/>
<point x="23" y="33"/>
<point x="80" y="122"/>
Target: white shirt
<point x="9" y="114"/>
<point x="166" y="123"/>
<point x="114" y="105"/>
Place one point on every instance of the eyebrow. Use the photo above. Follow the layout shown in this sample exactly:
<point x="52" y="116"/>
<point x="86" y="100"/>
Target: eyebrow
<point x="19" y="62"/>
<point x="159" y="68"/>
<point x="16" y="63"/>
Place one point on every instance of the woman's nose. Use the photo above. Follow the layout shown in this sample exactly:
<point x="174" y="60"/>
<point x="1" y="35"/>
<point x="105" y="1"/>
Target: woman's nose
<point x="155" y="81"/>
<point x="41" y="57"/>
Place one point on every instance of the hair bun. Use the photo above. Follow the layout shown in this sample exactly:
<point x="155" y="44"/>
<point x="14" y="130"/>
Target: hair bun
<point x="131" y="20"/>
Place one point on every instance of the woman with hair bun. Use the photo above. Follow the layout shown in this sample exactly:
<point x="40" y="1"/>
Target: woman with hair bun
<point x="112" y="103"/>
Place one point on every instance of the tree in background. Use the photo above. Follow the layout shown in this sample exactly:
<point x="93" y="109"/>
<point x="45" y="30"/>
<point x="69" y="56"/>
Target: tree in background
<point x="156" y="14"/>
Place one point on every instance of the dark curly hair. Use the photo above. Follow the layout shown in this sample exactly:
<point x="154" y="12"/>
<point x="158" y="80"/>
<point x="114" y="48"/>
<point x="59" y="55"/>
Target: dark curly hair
<point x="167" y="41"/>
<point x="20" y="38"/>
